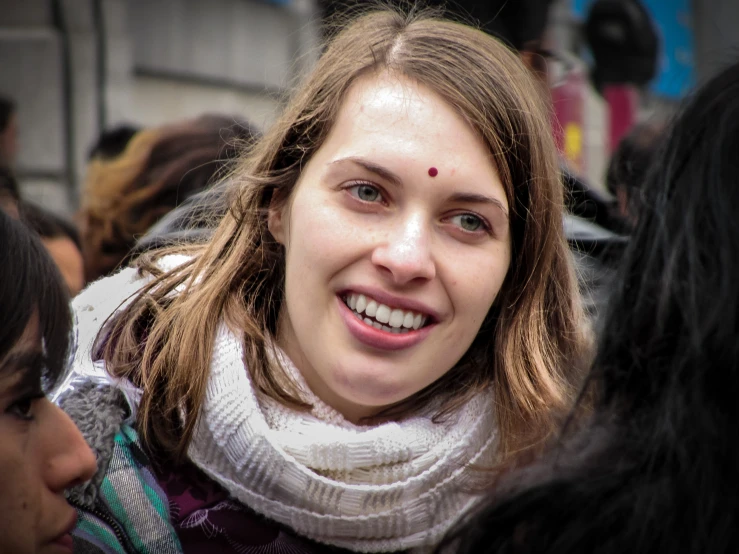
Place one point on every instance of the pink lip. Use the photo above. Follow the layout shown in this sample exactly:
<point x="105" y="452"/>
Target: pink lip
<point x="377" y="338"/>
<point x="394" y="301"/>
<point x="64" y="540"/>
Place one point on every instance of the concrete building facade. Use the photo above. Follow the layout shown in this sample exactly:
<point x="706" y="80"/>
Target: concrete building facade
<point x="76" y="67"/>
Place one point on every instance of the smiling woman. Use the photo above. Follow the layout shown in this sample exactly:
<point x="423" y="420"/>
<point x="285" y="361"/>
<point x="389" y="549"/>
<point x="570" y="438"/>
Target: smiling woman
<point x="362" y="335"/>
<point x="41" y="451"/>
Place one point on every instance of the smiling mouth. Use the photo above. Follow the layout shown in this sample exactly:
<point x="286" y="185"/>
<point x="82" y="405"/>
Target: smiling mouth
<point x="383" y="317"/>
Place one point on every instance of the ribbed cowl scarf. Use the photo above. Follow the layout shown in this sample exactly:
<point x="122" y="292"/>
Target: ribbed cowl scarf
<point x="384" y="488"/>
<point x="394" y="486"/>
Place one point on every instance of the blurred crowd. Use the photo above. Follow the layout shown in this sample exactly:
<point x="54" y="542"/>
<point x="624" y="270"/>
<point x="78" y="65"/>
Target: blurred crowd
<point x="134" y="177"/>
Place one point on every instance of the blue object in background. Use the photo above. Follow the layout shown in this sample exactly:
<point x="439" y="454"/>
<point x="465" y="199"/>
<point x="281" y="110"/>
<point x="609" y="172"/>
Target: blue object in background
<point x="673" y="19"/>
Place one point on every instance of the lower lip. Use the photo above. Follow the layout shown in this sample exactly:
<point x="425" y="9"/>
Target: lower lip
<point x="65" y="542"/>
<point x="377" y="338"/>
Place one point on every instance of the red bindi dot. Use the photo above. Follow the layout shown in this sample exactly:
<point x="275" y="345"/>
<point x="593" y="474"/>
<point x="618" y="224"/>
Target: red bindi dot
<point x="433" y="172"/>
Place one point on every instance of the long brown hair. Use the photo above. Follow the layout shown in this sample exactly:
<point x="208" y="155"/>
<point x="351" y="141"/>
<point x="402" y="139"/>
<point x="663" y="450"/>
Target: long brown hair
<point x="533" y="336"/>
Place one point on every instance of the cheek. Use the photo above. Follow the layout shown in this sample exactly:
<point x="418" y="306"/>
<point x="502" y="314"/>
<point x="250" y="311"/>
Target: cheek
<point x="322" y="235"/>
<point x="19" y="498"/>
<point x="477" y="280"/>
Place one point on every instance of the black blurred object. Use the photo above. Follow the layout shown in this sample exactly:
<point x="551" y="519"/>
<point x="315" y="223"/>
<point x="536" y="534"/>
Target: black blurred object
<point x="9" y="184"/>
<point x="519" y="22"/>
<point x="629" y="168"/>
<point x="596" y="241"/>
<point x="9" y="193"/>
<point x="633" y="157"/>
<point x="583" y="201"/>
<point x="7" y="109"/>
<point x="112" y="142"/>
<point x="593" y="231"/>
<point x="516" y="22"/>
<point x="624" y="42"/>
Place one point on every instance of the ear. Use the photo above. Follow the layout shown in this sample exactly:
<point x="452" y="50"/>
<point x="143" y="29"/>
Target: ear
<point x="277" y="220"/>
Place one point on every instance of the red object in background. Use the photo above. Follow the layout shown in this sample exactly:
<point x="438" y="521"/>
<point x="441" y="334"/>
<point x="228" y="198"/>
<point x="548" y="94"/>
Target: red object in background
<point x="588" y="126"/>
<point x="568" y="98"/>
<point x="623" y="106"/>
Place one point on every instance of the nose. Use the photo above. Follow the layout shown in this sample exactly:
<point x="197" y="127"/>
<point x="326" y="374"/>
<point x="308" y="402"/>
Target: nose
<point x="69" y="460"/>
<point x="405" y="254"/>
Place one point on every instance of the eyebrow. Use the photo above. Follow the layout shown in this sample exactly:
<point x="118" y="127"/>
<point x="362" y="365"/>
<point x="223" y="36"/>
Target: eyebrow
<point x="372" y="168"/>
<point x="473" y="198"/>
<point x="383" y="172"/>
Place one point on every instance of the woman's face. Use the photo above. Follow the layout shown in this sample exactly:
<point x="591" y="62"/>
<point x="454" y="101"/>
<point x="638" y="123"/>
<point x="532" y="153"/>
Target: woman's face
<point x="397" y="243"/>
<point x="41" y="454"/>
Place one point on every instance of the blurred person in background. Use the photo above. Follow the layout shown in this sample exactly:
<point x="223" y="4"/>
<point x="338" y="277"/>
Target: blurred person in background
<point x="159" y="168"/>
<point x="8" y="132"/>
<point x="9" y="193"/>
<point x="112" y="142"/>
<point x="654" y="467"/>
<point x="41" y="451"/>
<point x="61" y="240"/>
<point x="629" y="166"/>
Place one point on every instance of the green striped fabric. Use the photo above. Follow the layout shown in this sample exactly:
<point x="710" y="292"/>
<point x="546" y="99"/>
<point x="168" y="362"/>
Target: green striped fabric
<point x="131" y="496"/>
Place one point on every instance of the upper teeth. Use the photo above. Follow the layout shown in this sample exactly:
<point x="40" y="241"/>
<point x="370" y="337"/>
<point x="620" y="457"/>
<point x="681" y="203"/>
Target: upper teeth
<point x="393" y="317"/>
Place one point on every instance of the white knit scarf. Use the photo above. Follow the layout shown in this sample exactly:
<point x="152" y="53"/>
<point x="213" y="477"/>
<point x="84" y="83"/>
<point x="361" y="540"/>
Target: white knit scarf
<point x="394" y="486"/>
<point x="382" y="488"/>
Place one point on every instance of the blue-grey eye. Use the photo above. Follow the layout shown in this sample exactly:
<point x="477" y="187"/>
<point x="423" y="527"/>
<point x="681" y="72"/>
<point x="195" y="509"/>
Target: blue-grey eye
<point x="366" y="193"/>
<point x="468" y="222"/>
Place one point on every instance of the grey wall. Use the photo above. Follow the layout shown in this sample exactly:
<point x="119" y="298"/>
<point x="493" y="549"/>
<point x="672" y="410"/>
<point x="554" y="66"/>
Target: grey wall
<point x="31" y="72"/>
<point x="716" y="27"/>
<point x="77" y="66"/>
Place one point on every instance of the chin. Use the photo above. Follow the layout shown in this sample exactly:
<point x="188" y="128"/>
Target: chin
<point x="371" y="394"/>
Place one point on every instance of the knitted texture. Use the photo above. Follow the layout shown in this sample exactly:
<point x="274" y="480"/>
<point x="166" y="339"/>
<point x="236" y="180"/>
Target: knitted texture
<point x="394" y="486"/>
<point x="98" y="412"/>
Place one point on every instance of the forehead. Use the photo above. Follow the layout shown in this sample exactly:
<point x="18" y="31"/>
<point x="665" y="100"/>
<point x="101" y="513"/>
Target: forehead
<point x="392" y="99"/>
<point x="392" y="115"/>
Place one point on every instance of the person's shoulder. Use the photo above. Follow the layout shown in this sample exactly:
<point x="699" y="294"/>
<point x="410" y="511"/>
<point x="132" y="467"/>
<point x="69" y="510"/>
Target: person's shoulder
<point x="102" y="300"/>
<point x="94" y="306"/>
<point x="107" y="289"/>
<point x="113" y="290"/>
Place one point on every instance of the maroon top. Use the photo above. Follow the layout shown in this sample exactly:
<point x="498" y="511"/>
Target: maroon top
<point x="208" y="521"/>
